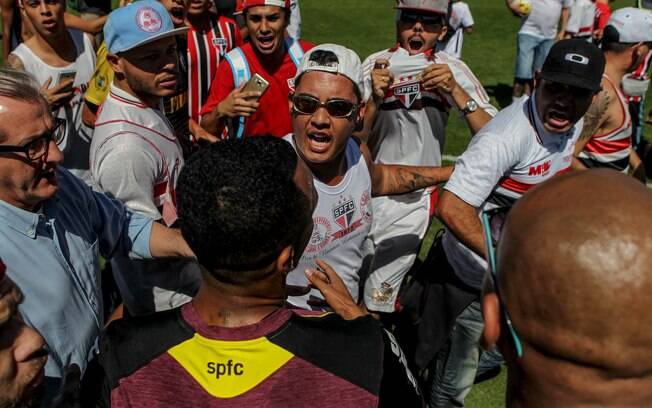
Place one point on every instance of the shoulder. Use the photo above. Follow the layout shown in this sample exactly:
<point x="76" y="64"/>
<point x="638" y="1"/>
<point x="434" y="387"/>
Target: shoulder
<point x="380" y="54"/>
<point x="14" y="59"/>
<point x="129" y="344"/>
<point x="350" y="349"/>
<point x="226" y="20"/>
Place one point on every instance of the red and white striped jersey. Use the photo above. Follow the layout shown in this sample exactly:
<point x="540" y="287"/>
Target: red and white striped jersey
<point x="611" y="149"/>
<point x="507" y="157"/>
<point x="582" y="19"/>
<point x="206" y="47"/>
<point x="640" y="73"/>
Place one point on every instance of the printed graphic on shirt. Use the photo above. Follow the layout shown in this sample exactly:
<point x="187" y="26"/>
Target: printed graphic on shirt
<point x="226" y="369"/>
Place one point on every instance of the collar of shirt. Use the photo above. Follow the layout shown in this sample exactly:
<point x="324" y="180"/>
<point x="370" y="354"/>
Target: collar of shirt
<point x="429" y="54"/>
<point x="544" y="136"/>
<point x="23" y="221"/>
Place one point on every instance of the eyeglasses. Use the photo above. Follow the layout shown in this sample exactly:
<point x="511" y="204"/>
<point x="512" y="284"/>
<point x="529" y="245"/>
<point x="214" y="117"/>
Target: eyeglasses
<point x="338" y="108"/>
<point x="492" y="224"/>
<point x="431" y="22"/>
<point x="37" y="148"/>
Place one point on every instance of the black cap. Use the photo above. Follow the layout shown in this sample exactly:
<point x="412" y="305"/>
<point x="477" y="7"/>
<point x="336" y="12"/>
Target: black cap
<point x="575" y="62"/>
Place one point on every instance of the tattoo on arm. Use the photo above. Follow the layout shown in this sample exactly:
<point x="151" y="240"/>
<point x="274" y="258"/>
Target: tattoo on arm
<point x="15" y="62"/>
<point x="594" y="117"/>
<point x="403" y="179"/>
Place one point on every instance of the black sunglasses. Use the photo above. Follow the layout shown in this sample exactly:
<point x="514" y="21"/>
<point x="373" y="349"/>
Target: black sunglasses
<point x="38" y="147"/>
<point x="432" y="22"/>
<point x="338" y="108"/>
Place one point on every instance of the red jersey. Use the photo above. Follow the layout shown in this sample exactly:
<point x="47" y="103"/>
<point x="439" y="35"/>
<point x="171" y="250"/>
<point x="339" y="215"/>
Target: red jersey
<point x="273" y="115"/>
<point x="206" y="48"/>
<point x="602" y="14"/>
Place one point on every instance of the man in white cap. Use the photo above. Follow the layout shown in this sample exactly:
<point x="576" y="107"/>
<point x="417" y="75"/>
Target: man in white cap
<point x="606" y="139"/>
<point x="273" y="57"/>
<point x="327" y="106"/>
<point x="135" y="154"/>
<point x="413" y="89"/>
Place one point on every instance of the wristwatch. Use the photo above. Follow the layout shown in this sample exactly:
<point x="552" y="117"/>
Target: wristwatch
<point x="470" y="107"/>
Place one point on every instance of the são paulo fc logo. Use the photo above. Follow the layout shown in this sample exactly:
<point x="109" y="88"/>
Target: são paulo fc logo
<point x="343" y="213"/>
<point x="365" y="207"/>
<point x="149" y="20"/>
<point x="408" y="92"/>
<point x="321" y="235"/>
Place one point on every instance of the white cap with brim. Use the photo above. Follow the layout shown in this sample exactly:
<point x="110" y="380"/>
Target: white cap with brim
<point x="633" y="25"/>
<point x="430" y="6"/>
<point x="346" y="62"/>
<point x="137" y="24"/>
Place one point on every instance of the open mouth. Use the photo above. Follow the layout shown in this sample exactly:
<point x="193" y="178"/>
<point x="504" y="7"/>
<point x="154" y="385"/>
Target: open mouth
<point x="319" y="142"/>
<point x="415" y="43"/>
<point x="558" y="118"/>
<point x="49" y="175"/>
<point x="49" y="24"/>
<point x="266" y="41"/>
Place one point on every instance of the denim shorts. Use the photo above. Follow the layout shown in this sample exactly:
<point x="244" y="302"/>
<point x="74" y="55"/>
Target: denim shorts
<point x="531" y="52"/>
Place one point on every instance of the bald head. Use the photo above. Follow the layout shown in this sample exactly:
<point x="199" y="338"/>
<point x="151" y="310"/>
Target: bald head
<point x="575" y="274"/>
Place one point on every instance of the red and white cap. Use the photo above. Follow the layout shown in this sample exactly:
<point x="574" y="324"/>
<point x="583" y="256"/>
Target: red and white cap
<point x="245" y="4"/>
<point x="634" y="25"/>
<point x="430" y="6"/>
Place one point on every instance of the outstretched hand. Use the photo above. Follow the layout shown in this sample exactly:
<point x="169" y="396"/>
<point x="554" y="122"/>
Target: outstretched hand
<point x="334" y="291"/>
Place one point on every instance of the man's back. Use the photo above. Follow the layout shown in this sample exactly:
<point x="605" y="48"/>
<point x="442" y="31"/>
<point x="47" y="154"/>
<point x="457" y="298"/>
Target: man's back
<point x="290" y="358"/>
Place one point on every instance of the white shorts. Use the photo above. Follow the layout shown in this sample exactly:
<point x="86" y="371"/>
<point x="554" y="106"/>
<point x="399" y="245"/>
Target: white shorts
<point x="400" y="223"/>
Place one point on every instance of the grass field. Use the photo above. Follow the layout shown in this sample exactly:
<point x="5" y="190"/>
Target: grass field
<point x="367" y="26"/>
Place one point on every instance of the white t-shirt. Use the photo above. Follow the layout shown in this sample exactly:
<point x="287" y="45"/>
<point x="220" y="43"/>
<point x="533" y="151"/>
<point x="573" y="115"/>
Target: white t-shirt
<point x="294" y="28"/>
<point x="77" y="140"/>
<point x="543" y="20"/>
<point x="582" y="18"/>
<point x="507" y="157"/>
<point x="410" y="125"/>
<point x="459" y="19"/>
<point x="136" y="157"/>
<point x="342" y="220"/>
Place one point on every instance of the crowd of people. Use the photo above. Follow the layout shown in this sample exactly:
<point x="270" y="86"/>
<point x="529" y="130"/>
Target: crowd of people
<point x="200" y="208"/>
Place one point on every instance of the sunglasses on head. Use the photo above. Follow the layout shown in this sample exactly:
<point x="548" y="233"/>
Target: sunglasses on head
<point x="430" y="21"/>
<point x="338" y="108"/>
<point x="492" y="225"/>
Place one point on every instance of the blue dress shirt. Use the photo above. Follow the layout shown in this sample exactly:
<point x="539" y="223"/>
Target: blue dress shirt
<point x="53" y="256"/>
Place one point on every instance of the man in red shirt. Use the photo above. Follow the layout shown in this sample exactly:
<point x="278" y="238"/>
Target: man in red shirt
<point x="271" y="55"/>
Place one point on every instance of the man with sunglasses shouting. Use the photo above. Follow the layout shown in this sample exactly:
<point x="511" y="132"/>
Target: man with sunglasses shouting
<point x="413" y="89"/>
<point x="524" y="145"/>
<point x="54" y="228"/>
<point x="327" y="107"/>
<point x="577" y="294"/>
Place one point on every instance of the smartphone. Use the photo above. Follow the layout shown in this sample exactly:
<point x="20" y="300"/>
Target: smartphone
<point x="64" y="75"/>
<point x="256" y="84"/>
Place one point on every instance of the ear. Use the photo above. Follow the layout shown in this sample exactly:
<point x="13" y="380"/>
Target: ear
<point x="114" y="62"/>
<point x="442" y="34"/>
<point x="537" y="79"/>
<point x="285" y="260"/>
<point x="491" y="316"/>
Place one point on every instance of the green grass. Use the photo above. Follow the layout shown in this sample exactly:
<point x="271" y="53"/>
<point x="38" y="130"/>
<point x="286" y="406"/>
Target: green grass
<point x="367" y="26"/>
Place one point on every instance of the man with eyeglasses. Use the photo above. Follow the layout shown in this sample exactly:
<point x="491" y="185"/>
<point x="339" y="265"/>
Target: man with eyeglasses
<point x="413" y="90"/>
<point x="606" y="139"/>
<point x="524" y="145"/>
<point x="231" y="110"/>
<point x="573" y="273"/>
<point x="54" y="228"/>
<point x="62" y="60"/>
<point x="327" y="107"/>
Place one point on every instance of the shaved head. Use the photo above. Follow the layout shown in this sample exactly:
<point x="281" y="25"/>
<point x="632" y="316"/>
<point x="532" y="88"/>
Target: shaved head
<point x="575" y="274"/>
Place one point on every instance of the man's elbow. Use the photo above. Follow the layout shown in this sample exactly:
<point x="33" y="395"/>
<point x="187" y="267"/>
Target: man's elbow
<point x="444" y="209"/>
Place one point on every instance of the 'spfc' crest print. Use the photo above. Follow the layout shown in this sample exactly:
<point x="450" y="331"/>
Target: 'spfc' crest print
<point x="343" y="213"/>
<point x="408" y="92"/>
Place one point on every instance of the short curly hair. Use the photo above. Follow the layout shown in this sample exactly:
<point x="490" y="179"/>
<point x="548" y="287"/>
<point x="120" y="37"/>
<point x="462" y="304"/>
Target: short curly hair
<point x="239" y="205"/>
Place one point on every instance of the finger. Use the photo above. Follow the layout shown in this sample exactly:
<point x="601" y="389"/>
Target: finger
<point x="62" y="85"/>
<point x="47" y="83"/>
<point x="250" y="95"/>
<point x="318" y="280"/>
<point x="381" y="63"/>
<point x="296" y="290"/>
<point x="317" y="275"/>
<point x="249" y="103"/>
<point x="328" y="271"/>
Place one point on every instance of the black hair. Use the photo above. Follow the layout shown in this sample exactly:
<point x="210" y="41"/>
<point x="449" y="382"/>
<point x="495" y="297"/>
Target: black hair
<point x="239" y="206"/>
<point x="611" y="41"/>
<point x="286" y="12"/>
<point x="325" y="58"/>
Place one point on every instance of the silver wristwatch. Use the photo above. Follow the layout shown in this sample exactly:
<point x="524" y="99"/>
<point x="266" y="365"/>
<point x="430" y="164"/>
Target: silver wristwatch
<point x="470" y="107"/>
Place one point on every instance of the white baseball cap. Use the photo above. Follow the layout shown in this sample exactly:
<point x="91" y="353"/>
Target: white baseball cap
<point x="346" y="62"/>
<point x="634" y="25"/>
<point x="432" y="6"/>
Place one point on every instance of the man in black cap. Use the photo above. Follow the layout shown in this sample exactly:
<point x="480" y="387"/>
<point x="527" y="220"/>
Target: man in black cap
<point x="524" y="145"/>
